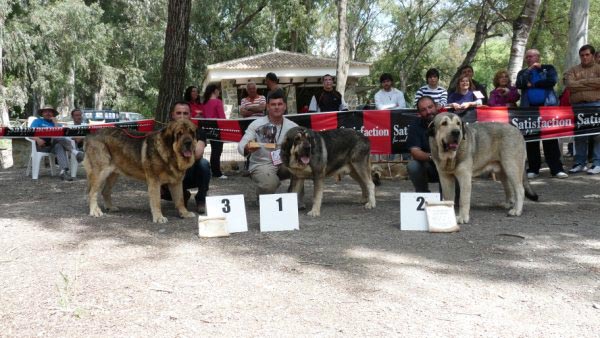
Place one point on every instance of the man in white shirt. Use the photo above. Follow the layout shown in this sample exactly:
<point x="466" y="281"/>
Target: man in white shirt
<point x="389" y="97"/>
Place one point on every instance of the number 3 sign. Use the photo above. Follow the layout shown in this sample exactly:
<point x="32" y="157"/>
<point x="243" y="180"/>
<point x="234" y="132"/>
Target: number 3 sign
<point x="230" y="206"/>
<point x="412" y="210"/>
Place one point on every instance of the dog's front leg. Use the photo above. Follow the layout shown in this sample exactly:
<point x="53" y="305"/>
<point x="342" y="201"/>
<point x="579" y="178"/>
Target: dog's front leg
<point x="297" y="186"/>
<point x="317" y="197"/>
<point x="464" y="182"/>
<point x="176" y="190"/>
<point x="154" y="195"/>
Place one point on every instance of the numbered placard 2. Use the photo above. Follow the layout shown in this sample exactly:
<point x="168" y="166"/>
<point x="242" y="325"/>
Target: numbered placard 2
<point x="412" y="210"/>
<point x="230" y="206"/>
<point x="279" y="212"/>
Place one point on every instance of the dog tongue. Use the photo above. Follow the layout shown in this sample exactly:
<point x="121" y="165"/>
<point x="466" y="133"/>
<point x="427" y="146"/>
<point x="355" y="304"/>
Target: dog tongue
<point x="187" y="153"/>
<point x="305" y="159"/>
<point x="452" y="145"/>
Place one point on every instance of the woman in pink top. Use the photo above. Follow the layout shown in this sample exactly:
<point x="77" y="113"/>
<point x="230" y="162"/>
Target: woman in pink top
<point x="504" y="94"/>
<point x="192" y="97"/>
<point x="213" y="109"/>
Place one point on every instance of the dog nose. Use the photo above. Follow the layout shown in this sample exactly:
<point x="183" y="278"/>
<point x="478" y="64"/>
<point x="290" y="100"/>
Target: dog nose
<point x="455" y="133"/>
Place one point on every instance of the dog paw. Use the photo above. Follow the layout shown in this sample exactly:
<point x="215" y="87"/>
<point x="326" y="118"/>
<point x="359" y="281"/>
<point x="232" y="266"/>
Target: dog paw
<point x="462" y="219"/>
<point x="370" y="205"/>
<point x="363" y="200"/>
<point x="187" y="214"/>
<point x="96" y="212"/>
<point x="112" y="209"/>
<point x="160" y="219"/>
<point x="514" y="212"/>
<point x="314" y="213"/>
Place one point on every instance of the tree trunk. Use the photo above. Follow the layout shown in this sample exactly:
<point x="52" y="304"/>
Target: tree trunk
<point x="343" y="64"/>
<point x="578" y="27"/>
<point x="3" y="105"/>
<point x="71" y="90"/>
<point x="173" y="66"/>
<point x="521" y="28"/>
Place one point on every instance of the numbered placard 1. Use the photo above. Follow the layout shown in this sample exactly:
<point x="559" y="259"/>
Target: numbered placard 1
<point x="279" y="212"/>
<point x="412" y="210"/>
<point x="230" y="206"/>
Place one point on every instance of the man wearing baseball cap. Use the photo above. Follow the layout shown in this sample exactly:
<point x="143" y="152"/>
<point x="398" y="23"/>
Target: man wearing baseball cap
<point x="58" y="146"/>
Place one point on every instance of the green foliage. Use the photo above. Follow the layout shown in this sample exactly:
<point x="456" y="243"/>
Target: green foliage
<point x="115" y="48"/>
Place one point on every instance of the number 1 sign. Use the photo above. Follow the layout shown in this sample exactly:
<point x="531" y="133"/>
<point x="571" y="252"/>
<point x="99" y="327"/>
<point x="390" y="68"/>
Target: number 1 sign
<point x="279" y="212"/>
<point x="412" y="210"/>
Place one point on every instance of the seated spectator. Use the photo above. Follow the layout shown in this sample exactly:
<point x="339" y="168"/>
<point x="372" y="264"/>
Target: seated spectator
<point x="504" y="94"/>
<point x="475" y="86"/>
<point x="329" y="99"/>
<point x="59" y="146"/>
<point x="198" y="175"/>
<point x="463" y="98"/>
<point x="254" y="104"/>
<point x="432" y="89"/>
<point x="77" y="117"/>
<point x="389" y="97"/>
<point x="192" y="97"/>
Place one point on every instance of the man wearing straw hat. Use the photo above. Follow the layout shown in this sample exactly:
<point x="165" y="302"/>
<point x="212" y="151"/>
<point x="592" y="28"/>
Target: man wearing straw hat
<point x="58" y="146"/>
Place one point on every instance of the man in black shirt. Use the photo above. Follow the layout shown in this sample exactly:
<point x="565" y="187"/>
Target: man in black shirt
<point x="329" y="99"/>
<point x="421" y="169"/>
<point x="198" y="175"/>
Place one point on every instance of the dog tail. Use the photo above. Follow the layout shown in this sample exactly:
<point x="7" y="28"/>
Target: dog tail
<point x="529" y="193"/>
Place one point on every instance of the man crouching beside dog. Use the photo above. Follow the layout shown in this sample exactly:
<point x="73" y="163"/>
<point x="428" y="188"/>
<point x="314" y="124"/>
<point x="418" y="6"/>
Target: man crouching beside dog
<point x="265" y="167"/>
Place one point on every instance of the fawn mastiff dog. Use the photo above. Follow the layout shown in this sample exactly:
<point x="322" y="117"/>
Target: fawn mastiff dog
<point x="158" y="158"/>
<point x="461" y="151"/>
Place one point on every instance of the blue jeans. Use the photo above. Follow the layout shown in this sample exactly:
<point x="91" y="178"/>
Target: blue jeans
<point x="198" y="176"/>
<point x="421" y="173"/>
<point x="581" y="142"/>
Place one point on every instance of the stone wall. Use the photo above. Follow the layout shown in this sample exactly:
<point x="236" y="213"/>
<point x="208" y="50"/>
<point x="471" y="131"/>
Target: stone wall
<point x="229" y="96"/>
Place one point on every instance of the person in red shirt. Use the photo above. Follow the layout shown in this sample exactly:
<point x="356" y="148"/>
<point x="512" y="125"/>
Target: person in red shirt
<point x="213" y="109"/>
<point x="192" y="97"/>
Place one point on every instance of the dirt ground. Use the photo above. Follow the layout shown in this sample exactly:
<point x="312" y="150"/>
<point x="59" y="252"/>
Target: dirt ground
<point x="350" y="272"/>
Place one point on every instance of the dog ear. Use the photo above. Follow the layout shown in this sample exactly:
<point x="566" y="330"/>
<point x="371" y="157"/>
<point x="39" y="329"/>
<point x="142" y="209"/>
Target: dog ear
<point x="431" y="129"/>
<point x="167" y="133"/>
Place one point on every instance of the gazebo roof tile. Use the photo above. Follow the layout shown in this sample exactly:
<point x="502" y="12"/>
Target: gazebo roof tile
<point x="281" y="59"/>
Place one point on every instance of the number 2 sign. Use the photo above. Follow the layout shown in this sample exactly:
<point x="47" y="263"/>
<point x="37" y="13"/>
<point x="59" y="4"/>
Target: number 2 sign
<point x="412" y="210"/>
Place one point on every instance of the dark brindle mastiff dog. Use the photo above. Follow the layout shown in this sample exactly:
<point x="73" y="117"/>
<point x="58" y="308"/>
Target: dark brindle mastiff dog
<point x="316" y="155"/>
<point x="158" y="158"/>
<point x="461" y="151"/>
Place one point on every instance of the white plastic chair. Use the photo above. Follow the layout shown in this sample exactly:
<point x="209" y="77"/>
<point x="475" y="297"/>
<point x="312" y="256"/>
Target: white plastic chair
<point x="37" y="157"/>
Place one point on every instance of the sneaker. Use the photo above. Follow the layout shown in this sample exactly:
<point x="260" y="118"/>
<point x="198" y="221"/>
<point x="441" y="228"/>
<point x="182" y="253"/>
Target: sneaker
<point x="223" y="177"/>
<point x="532" y="175"/>
<point x="594" y="170"/>
<point x="578" y="168"/>
<point x="65" y="176"/>
<point x="79" y="156"/>
<point x="561" y="174"/>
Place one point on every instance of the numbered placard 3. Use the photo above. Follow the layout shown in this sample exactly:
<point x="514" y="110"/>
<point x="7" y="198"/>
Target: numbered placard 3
<point x="412" y="210"/>
<point x="230" y="206"/>
<point x="279" y="212"/>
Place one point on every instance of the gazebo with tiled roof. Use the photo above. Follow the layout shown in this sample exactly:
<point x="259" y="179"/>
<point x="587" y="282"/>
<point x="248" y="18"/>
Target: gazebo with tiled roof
<point x="299" y="74"/>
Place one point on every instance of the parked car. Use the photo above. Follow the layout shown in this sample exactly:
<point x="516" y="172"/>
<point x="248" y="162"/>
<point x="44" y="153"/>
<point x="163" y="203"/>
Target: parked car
<point x="106" y="115"/>
<point x="130" y="116"/>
